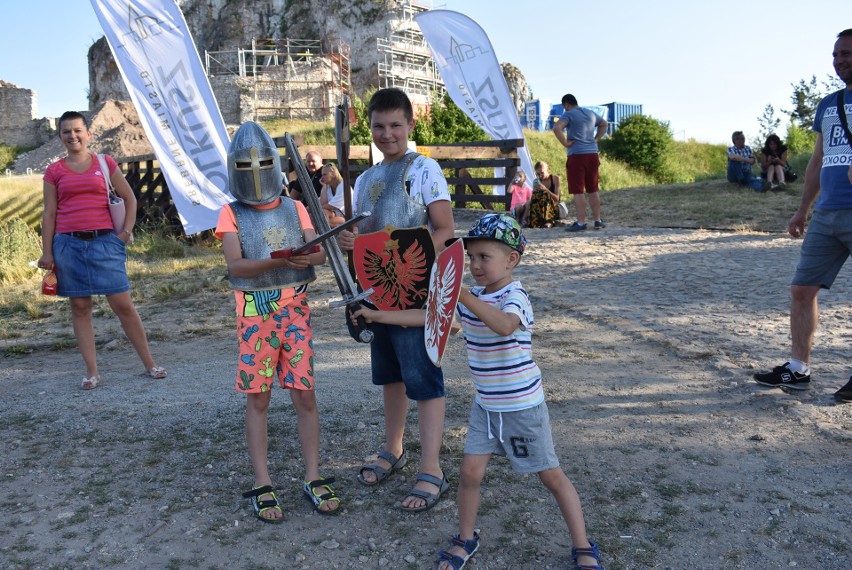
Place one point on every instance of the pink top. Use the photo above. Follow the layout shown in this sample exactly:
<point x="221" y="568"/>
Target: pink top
<point x="81" y="197"/>
<point x="520" y="195"/>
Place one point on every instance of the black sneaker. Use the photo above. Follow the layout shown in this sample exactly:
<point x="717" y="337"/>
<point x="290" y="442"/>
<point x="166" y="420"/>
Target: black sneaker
<point x="845" y="393"/>
<point x="599" y="225"/>
<point x="576" y="227"/>
<point x="783" y="376"/>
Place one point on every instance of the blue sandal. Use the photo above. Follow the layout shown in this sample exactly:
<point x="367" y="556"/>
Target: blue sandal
<point x="592" y="551"/>
<point x="456" y="561"/>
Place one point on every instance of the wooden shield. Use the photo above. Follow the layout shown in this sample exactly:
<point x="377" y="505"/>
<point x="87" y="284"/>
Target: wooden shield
<point x="395" y="263"/>
<point x="444" y="290"/>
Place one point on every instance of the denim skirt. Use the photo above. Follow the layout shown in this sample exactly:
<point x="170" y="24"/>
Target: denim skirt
<point x="86" y="267"/>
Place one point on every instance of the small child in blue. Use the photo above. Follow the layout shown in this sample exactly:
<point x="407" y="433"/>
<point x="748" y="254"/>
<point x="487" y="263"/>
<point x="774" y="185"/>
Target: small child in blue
<point x="509" y="415"/>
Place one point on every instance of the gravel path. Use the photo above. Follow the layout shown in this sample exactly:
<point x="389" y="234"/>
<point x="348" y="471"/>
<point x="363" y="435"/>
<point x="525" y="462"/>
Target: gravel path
<point x="647" y="340"/>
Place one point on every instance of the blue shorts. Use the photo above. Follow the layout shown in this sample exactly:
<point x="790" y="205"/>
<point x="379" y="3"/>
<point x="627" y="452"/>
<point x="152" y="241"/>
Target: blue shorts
<point x="398" y="354"/>
<point x="827" y="244"/>
<point x="86" y="267"/>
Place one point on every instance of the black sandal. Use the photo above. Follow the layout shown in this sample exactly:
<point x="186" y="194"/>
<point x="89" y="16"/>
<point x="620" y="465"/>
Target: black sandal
<point x="261" y="507"/>
<point x="321" y="498"/>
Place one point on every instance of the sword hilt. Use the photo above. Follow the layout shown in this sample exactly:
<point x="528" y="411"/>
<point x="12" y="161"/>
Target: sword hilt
<point x="359" y="332"/>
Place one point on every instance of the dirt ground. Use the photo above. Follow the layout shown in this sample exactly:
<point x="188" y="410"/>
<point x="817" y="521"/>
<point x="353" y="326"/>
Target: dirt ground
<point x="647" y="340"/>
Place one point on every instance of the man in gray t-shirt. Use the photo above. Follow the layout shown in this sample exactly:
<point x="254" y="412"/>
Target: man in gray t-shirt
<point x="584" y="129"/>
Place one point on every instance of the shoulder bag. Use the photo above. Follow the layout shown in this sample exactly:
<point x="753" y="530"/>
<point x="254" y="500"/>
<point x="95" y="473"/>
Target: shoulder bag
<point x="841" y="113"/>
<point x="117" y="210"/>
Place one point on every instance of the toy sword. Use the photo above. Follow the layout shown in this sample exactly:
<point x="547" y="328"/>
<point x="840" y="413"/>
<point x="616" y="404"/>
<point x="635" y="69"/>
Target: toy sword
<point x="341" y="136"/>
<point x="351" y="297"/>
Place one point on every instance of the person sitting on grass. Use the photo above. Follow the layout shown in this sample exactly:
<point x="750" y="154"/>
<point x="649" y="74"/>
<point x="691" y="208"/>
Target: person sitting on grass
<point x="509" y="415"/>
<point x="773" y="161"/>
<point x="740" y="161"/>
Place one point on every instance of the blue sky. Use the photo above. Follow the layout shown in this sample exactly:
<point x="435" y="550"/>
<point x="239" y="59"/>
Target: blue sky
<point x="707" y="67"/>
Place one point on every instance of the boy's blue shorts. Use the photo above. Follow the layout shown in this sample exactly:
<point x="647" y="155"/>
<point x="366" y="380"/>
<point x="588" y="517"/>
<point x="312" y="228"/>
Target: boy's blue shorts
<point x="398" y="354"/>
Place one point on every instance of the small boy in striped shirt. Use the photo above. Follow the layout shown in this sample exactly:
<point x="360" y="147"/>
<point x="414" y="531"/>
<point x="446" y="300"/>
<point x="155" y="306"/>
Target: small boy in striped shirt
<point x="509" y="415"/>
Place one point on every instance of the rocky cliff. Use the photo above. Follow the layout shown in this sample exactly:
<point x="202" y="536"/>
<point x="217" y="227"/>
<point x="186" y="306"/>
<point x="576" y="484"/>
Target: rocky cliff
<point x="226" y="25"/>
<point x="223" y="25"/>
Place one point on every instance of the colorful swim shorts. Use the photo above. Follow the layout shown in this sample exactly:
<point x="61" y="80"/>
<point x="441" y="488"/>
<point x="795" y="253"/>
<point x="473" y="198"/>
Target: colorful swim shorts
<point x="278" y="341"/>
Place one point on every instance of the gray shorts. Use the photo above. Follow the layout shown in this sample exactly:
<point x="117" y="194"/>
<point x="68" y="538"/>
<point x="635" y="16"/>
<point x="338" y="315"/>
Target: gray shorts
<point x="827" y="244"/>
<point x="527" y="440"/>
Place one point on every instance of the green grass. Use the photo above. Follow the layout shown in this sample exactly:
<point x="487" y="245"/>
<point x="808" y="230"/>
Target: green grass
<point x="8" y="155"/>
<point x="21" y="196"/>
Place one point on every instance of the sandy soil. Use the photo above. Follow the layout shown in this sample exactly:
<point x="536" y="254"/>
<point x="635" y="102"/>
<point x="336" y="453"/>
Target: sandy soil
<point x="647" y="340"/>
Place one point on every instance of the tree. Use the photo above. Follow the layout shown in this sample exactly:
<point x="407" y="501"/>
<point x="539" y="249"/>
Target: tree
<point x="644" y="143"/>
<point x="799" y="140"/>
<point x="359" y="129"/>
<point x="807" y="95"/>
<point x="444" y="122"/>
<point x="768" y="123"/>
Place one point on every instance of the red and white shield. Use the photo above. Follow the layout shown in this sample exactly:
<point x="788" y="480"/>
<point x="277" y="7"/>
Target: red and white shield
<point x="395" y="263"/>
<point x="444" y="290"/>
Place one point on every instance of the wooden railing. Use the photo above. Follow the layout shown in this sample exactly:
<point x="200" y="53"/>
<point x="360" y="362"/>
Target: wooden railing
<point x="155" y="203"/>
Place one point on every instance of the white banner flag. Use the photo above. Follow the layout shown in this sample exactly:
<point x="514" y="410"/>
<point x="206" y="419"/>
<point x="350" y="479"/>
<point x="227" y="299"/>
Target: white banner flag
<point x="163" y="73"/>
<point x="472" y="76"/>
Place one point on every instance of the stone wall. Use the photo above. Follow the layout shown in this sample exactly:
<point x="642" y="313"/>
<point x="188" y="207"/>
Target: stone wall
<point x="228" y="93"/>
<point x="18" y="125"/>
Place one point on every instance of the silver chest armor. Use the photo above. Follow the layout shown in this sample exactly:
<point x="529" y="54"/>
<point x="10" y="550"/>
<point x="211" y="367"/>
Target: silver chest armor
<point x="382" y="191"/>
<point x="269" y="230"/>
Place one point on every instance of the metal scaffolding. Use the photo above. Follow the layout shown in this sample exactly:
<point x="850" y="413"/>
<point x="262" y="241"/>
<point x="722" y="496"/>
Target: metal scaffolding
<point x="406" y="61"/>
<point x="289" y="78"/>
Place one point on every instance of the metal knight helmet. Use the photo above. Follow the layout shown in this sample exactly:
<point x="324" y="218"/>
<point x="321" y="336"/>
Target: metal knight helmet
<point x="254" y="166"/>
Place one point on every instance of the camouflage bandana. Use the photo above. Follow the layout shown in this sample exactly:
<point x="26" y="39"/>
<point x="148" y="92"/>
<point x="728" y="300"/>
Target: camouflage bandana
<point x="500" y="227"/>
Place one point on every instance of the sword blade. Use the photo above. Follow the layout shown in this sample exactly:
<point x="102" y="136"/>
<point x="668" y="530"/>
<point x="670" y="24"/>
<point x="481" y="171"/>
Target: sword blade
<point x="339" y="268"/>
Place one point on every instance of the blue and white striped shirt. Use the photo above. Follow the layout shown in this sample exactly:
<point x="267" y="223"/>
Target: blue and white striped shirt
<point x="504" y="373"/>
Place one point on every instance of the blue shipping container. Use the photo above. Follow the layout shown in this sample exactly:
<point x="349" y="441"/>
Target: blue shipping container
<point x="617" y="112"/>
<point x="533" y="118"/>
<point x="555" y="112"/>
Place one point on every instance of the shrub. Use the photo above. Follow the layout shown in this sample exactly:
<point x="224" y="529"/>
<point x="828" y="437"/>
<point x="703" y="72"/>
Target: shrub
<point x="443" y="123"/>
<point x="8" y="155"/>
<point x="359" y="129"/>
<point x="644" y="143"/>
<point x="20" y="246"/>
<point x="799" y="140"/>
<point x="447" y="123"/>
